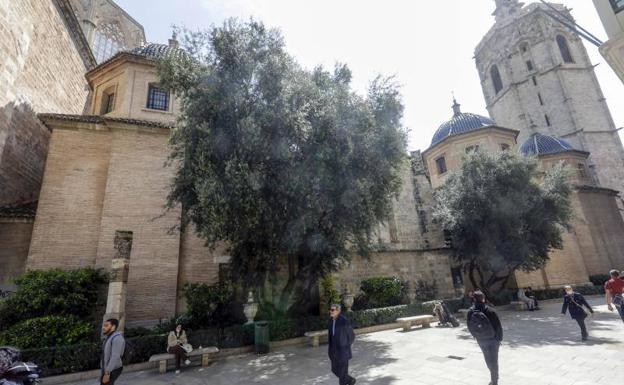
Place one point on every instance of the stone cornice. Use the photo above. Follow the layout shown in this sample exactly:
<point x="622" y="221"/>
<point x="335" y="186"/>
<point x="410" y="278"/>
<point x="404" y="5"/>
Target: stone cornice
<point x="76" y="33"/>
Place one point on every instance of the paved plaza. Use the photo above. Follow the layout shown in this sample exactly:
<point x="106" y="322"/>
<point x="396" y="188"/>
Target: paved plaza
<point x="540" y="348"/>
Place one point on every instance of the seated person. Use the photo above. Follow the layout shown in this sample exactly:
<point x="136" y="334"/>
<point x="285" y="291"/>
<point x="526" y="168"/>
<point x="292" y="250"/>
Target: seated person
<point x="175" y="345"/>
<point x="529" y="293"/>
<point x="522" y="297"/>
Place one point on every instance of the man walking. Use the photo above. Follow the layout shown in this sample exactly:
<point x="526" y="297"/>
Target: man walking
<point x="341" y="338"/>
<point x="614" y="288"/>
<point x="484" y="325"/>
<point x="112" y="352"/>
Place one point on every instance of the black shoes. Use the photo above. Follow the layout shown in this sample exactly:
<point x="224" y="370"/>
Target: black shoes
<point x="352" y="381"/>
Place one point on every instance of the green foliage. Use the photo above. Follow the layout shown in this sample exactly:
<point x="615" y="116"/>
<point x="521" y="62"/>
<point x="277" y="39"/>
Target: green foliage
<point x="426" y="291"/>
<point x="280" y="161"/>
<point x="380" y="292"/>
<point x="329" y="293"/>
<point x="502" y="216"/>
<point x="47" y="331"/>
<point x="209" y="306"/>
<point x="52" y="292"/>
<point x="543" y="294"/>
<point x="599" y="279"/>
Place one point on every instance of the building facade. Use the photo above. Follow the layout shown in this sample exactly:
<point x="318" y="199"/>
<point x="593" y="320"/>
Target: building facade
<point x="612" y="16"/>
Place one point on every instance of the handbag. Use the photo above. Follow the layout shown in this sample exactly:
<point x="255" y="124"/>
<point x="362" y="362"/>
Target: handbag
<point x="187" y="348"/>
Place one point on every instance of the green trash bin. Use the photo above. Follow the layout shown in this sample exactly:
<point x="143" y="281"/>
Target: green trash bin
<point x="262" y="337"/>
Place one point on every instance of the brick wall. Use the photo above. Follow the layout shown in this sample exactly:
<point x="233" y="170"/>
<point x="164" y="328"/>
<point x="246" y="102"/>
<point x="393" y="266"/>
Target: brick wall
<point x="40" y="71"/>
<point x="15" y="239"/>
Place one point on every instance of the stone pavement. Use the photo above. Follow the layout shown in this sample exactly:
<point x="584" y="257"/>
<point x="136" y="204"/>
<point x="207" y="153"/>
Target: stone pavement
<point x="540" y="348"/>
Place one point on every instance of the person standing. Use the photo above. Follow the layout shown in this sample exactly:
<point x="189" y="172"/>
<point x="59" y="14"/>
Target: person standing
<point x="112" y="352"/>
<point x="574" y="302"/>
<point x="614" y="289"/>
<point x="341" y="337"/>
<point x="175" y="345"/>
<point x="485" y="326"/>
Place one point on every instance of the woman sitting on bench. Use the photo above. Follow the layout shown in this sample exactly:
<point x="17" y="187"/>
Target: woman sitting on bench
<point x="177" y="344"/>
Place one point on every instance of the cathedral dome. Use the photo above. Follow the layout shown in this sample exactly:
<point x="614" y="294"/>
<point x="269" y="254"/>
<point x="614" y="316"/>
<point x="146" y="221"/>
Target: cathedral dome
<point x="538" y="144"/>
<point x="460" y="123"/>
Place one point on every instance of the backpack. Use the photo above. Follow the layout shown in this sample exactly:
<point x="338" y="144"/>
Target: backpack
<point x="129" y="352"/>
<point x="480" y="326"/>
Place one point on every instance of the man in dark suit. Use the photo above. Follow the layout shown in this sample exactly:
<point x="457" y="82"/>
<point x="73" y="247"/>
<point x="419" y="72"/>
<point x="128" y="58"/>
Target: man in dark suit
<point x="341" y="338"/>
<point x="485" y="326"/>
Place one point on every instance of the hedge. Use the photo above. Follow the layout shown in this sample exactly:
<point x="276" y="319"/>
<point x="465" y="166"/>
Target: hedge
<point x="68" y="359"/>
<point x="47" y="331"/>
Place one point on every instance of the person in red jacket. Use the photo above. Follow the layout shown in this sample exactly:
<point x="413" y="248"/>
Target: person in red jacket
<point x="614" y="289"/>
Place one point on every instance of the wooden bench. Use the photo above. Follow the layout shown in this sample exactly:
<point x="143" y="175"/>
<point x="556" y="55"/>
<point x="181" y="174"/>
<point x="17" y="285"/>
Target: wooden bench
<point x="203" y="352"/>
<point x="518" y="305"/>
<point x="423" y="320"/>
<point x="315" y="337"/>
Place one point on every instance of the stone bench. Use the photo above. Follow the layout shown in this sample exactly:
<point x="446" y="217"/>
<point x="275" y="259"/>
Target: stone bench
<point x="518" y="305"/>
<point x="423" y="320"/>
<point x="203" y="352"/>
<point x="315" y="337"/>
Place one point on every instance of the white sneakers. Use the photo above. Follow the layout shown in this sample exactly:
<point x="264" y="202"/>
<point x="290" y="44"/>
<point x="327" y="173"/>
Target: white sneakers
<point x="187" y="362"/>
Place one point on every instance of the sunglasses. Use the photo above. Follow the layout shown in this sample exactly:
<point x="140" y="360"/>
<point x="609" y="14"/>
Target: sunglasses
<point x="333" y="309"/>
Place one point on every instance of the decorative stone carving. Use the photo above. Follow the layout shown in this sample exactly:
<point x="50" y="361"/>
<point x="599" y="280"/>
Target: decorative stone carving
<point x="250" y="308"/>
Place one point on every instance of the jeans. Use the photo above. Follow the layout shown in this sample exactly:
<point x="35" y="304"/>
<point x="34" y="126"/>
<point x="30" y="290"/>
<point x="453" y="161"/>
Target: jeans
<point x="620" y="310"/>
<point x="341" y="370"/>
<point x="114" y="375"/>
<point x="581" y="323"/>
<point x="490" y="353"/>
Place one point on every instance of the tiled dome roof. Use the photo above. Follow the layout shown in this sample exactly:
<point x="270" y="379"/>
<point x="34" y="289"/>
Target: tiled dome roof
<point x="538" y="144"/>
<point x="460" y="122"/>
<point x="157" y="51"/>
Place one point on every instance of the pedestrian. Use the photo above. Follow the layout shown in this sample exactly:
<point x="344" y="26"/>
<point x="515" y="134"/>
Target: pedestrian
<point x="112" y="352"/>
<point x="614" y="288"/>
<point x="341" y="338"/>
<point x="177" y="344"/>
<point x="574" y="302"/>
<point x="485" y="326"/>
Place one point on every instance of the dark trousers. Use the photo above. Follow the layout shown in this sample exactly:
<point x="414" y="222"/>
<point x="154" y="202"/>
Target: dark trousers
<point x="179" y="354"/>
<point x="341" y="370"/>
<point x="581" y="323"/>
<point x="114" y="375"/>
<point x="490" y="353"/>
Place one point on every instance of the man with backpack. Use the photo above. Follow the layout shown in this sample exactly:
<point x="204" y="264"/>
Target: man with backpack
<point x="485" y="326"/>
<point x="113" y="350"/>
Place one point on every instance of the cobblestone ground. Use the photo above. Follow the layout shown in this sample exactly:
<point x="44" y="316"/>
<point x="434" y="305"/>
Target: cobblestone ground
<point x="540" y="348"/>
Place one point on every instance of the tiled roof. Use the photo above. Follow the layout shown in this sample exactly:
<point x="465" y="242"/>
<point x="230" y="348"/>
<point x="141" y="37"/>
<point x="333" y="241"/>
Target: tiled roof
<point x="22" y="210"/>
<point x="460" y="123"/>
<point x="538" y="144"/>
<point x="151" y="51"/>
<point x="103" y="120"/>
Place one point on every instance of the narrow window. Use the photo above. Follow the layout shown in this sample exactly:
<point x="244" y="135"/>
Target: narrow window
<point x="618" y="5"/>
<point x="582" y="171"/>
<point x="564" y="49"/>
<point x="534" y="80"/>
<point x="541" y="101"/>
<point x="441" y="164"/>
<point x="471" y="149"/>
<point x="504" y="147"/>
<point x="157" y="98"/>
<point x="108" y="101"/>
<point x="529" y="65"/>
<point x="496" y="79"/>
<point x="524" y="48"/>
<point x="547" y="120"/>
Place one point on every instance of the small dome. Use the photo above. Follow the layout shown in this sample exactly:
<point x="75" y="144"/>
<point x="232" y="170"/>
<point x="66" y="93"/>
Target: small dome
<point x="538" y="144"/>
<point x="157" y="51"/>
<point x="460" y="123"/>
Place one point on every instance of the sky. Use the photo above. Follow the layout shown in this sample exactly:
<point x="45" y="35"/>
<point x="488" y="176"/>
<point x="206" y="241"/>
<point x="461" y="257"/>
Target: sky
<point x="427" y="44"/>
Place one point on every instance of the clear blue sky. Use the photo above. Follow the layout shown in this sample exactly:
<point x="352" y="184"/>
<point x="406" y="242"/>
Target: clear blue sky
<point x="428" y="45"/>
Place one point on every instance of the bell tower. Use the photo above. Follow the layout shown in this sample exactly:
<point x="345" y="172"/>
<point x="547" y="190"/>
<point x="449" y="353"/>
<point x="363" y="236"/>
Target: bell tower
<point x="536" y="77"/>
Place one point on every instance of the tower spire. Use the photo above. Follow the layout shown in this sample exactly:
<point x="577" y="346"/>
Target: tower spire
<point x="506" y="8"/>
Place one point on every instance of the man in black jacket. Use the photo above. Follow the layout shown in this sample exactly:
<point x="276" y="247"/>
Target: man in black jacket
<point x="341" y="338"/>
<point x="485" y="326"/>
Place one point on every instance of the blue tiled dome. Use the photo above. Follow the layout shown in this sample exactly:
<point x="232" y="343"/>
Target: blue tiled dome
<point x="157" y="51"/>
<point x="460" y="122"/>
<point x="538" y="144"/>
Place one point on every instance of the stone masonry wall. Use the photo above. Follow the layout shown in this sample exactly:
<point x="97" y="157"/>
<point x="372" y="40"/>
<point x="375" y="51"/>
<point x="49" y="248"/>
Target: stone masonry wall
<point x="40" y="71"/>
<point x="15" y="239"/>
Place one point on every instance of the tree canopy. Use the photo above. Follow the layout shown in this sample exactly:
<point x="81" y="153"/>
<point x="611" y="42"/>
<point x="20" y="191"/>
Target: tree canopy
<point x="502" y="216"/>
<point x="282" y="163"/>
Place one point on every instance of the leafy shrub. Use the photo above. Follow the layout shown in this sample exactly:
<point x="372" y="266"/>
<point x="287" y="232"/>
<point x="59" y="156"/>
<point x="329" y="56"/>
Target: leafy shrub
<point x="381" y="292"/>
<point x="426" y="291"/>
<point x="599" y="279"/>
<point x="212" y="305"/>
<point x="329" y="293"/>
<point x="558" y="293"/>
<point x="48" y="331"/>
<point x="53" y="292"/>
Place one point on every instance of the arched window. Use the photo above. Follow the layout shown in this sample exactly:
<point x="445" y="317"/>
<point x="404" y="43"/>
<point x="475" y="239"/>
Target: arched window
<point x="564" y="49"/>
<point x="496" y="79"/>
<point x="107" y="41"/>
